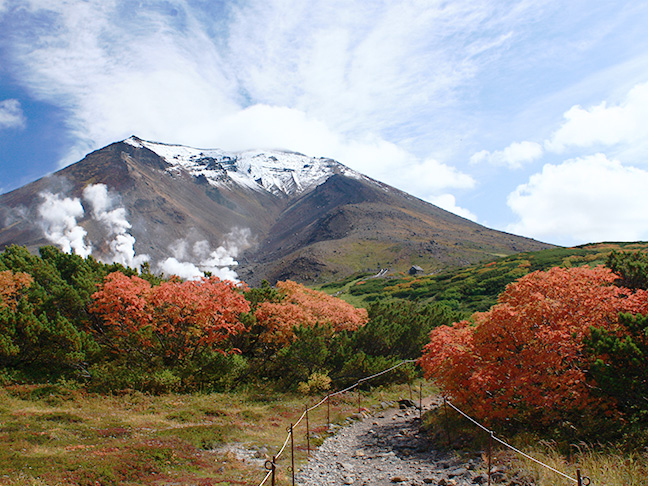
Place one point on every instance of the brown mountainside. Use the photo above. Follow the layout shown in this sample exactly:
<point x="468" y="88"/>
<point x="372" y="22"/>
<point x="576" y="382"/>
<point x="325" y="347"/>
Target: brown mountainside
<point x="277" y="223"/>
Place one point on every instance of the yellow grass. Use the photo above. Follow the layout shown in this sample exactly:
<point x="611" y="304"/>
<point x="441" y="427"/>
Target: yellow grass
<point x="604" y="466"/>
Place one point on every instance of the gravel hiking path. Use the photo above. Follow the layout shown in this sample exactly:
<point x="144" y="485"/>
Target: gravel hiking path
<point x="387" y="448"/>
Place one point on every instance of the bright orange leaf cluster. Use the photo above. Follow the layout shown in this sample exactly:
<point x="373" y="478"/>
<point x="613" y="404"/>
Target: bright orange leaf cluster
<point x="524" y="357"/>
<point x="12" y="288"/>
<point x="177" y="318"/>
<point x="304" y="306"/>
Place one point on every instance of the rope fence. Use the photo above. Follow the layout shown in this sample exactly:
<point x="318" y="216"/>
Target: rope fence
<point x="271" y="465"/>
<point x="579" y="480"/>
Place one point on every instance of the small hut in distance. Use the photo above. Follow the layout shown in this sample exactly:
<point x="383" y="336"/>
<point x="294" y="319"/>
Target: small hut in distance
<point x="416" y="270"/>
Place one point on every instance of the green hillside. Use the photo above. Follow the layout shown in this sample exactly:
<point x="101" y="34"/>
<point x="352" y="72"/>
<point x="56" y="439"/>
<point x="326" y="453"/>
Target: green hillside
<point x="473" y="288"/>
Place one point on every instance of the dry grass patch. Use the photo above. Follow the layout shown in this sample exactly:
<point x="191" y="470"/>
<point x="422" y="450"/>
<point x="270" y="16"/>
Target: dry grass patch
<point x="55" y="436"/>
<point x="604" y="466"/>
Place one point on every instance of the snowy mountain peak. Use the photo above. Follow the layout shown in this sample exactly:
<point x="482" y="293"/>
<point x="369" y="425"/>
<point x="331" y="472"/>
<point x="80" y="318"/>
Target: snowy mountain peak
<point x="274" y="171"/>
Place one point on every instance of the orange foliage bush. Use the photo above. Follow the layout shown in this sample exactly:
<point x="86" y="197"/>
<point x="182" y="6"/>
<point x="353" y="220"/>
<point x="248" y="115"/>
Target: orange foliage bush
<point x="304" y="306"/>
<point x="524" y="357"/>
<point x="12" y="288"/>
<point x="176" y="318"/>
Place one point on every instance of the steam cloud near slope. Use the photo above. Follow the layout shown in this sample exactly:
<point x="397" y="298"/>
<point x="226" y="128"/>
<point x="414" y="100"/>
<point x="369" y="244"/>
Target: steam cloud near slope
<point x="59" y="217"/>
<point x="218" y="262"/>
<point x="59" y="220"/>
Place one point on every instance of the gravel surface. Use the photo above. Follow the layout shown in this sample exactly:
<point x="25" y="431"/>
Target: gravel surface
<point x="386" y="449"/>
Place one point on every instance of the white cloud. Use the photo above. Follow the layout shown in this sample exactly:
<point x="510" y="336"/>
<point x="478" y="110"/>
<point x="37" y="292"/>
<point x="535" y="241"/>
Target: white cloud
<point x="11" y="114"/>
<point x="428" y="176"/>
<point x="583" y="200"/>
<point x="605" y="124"/>
<point x="514" y="156"/>
<point x="449" y="203"/>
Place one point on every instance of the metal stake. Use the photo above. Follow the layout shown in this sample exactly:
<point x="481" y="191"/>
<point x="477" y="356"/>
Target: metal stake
<point x="578" y="477"/>
<point x="328" y="411"/>
<point x="307" y="432"/>
<point x="447" y="425"/>
<point x="274" y="469"/>
<point x="292" y="453"/>
<point x="421" y="400"/>
<point x="490" y="454"/>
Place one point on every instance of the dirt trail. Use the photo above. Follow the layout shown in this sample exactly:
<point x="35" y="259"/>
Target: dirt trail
<point x="386" y="449"/>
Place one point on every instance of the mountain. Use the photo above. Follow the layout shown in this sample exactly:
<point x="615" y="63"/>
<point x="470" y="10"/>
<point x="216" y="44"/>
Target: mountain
<point x="278" y="214"/>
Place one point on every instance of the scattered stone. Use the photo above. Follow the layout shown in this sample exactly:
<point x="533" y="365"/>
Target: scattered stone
<point x="460" y="471"/>
<point x="405" y="403"/>
<point x="386" y="449"/>
<point x="498" y="477"/>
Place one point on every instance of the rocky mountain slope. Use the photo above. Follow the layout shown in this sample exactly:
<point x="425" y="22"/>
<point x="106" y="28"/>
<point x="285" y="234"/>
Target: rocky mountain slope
<point x="256" y="215"/>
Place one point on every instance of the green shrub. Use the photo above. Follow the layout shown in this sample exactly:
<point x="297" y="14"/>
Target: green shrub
<point x="316" y="384"/>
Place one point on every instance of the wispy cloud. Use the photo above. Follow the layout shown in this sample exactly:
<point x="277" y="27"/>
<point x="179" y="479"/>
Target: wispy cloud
<point x="367" y="67"/>
<point x="403" y="91"/>
<point x="365" y="77"/>
<point x="514" y="156"/>
<point x="11" y="114"/>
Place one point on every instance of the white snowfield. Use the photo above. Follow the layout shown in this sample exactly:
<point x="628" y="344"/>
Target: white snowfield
<point x="274" y="171"/>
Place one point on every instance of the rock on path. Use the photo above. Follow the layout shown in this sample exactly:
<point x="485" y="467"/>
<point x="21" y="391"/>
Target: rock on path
<point x="387" y="449"/>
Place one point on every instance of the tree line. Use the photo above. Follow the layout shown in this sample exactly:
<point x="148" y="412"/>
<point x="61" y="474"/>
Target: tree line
<point x="563" y="348"/>
<point x="108" y="327"/>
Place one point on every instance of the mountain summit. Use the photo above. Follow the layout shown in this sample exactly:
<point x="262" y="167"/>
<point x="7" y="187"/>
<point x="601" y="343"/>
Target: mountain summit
<point x="277" y="172"/>
<point x="251" y="215"/>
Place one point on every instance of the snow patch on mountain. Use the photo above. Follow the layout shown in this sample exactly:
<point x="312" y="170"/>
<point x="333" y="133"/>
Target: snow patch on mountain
<point x="274" y="171"/>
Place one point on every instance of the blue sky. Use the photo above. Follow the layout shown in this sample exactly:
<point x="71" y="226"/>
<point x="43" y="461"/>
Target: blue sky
<point x="525" y="116"/>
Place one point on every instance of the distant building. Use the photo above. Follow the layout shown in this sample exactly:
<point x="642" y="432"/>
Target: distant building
<point x="416" y="270"/>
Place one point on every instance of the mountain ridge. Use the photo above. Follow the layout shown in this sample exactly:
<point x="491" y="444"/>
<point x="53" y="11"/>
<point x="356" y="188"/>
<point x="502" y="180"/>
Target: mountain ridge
<point x="253" y="214"/>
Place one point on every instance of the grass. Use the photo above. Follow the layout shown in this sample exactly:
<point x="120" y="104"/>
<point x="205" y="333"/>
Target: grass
<point x="65" y="437"/>
<point x="604" y="465"/>
<point x="470" y="288"/>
